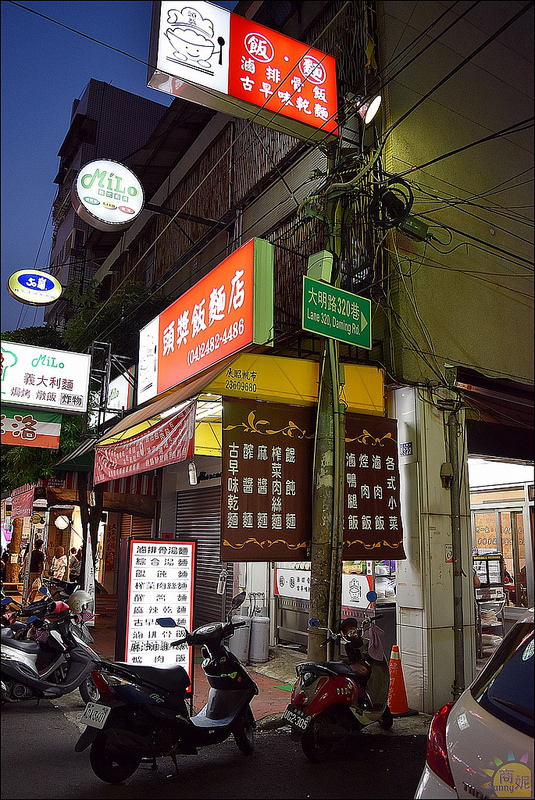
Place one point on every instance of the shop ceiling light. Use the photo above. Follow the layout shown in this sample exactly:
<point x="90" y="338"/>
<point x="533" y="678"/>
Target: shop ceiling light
<point x="192" y="473"/>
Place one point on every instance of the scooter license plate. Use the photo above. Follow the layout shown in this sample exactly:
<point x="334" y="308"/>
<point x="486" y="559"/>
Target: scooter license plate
<point x="95" y="715"/>
<point x="297" y="717"/>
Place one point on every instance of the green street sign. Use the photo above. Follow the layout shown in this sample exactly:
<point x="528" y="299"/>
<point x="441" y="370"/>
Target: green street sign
<point x="332" y="312"/>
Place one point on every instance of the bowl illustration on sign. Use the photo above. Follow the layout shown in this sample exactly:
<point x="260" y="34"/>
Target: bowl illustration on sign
<point x="191" y="37"/>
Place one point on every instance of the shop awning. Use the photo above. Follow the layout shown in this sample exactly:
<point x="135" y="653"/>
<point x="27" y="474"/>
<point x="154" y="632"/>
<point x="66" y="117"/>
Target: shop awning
<point x="146" y="417"/>
<point x="80" y="460"/>
<point x="497" y="400"/>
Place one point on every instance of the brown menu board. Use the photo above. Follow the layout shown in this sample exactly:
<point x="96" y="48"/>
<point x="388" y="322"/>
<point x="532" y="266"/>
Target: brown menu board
<point x="372" y="513"/>
<point x="266" y="481"/>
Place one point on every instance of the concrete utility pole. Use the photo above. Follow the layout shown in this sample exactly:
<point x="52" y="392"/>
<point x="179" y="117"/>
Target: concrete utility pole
<point x="327" y="486"/>
<point x="455" y="506"/>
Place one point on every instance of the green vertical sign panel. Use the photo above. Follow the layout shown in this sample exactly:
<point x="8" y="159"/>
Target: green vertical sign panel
<point x="329" y="311"/>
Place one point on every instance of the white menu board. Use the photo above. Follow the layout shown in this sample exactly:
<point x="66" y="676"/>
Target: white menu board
<point x="160" y="585"/>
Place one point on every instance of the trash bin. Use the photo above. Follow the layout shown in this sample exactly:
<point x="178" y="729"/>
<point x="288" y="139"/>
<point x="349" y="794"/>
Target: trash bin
<point x="239" y="641"/>
<point x="259" y="642"/>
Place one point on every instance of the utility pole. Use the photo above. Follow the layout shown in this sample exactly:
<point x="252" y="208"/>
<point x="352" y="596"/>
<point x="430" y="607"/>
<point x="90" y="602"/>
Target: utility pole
<point x="455" y="506"/>
<point x="327" y="485"/>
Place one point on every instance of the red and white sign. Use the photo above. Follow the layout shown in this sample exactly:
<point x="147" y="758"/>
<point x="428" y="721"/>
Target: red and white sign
<point x="30" y="428"/>
<point x="224" y="61"/>
<point x="229" y="309"/>
<point x="168" y="442"/>
<point x="22" y="504"/>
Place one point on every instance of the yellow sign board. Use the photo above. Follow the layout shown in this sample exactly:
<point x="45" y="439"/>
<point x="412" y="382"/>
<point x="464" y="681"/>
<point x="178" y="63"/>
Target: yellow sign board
<point x="295" y="381"/>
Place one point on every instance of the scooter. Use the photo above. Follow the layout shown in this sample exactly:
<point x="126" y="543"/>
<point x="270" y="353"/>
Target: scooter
<point x="55" y="660"/>
<point x="143" y="713"/>
<point x="333" y="699"/>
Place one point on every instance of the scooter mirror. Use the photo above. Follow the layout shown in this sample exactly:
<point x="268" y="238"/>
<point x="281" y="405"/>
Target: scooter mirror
<point x="371" y="597"/>
<point x="238" y="600"/>
<point x="313" y="623"/>
<point x="166" y="622"/>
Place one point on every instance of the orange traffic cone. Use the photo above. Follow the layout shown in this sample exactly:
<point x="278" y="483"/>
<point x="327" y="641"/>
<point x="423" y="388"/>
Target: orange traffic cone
<point x="397" y="696"/>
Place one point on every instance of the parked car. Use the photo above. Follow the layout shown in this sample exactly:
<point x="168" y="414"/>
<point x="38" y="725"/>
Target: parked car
<point x="482" y="744"/>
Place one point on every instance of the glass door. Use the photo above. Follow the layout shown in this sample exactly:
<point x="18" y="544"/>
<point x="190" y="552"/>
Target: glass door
<point x="513" y="548"/>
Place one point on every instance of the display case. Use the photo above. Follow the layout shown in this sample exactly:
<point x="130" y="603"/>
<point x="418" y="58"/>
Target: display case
<point x="490" y="601"/>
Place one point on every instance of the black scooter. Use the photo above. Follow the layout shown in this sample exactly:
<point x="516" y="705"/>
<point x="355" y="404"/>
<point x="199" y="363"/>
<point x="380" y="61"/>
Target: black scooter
<point x="142" y="714"/>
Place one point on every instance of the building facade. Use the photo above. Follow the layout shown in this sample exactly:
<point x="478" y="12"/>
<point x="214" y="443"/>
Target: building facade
<point x="429" y="218"/>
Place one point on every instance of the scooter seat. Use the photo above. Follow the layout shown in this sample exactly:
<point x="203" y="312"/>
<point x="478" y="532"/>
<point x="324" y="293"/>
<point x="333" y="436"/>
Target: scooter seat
<point x="172" y="677"/>
<point x="338" y="667"/>
<point x="26" y="647"/>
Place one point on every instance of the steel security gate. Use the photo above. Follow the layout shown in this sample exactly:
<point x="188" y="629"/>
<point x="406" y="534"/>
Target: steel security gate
<point x="198" y="517"/>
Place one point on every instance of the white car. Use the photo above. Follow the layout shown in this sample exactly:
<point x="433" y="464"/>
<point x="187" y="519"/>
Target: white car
<point x="481" y="746"/>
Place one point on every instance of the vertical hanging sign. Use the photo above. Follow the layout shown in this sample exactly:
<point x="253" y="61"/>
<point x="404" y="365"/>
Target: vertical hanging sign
<point x="160" y="585"/>
<point x="372" y="518"/>
<point x="266" y="488"/>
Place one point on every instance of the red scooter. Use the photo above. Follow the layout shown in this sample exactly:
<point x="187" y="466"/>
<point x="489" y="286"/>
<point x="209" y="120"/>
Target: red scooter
<point x="333" y="699"/>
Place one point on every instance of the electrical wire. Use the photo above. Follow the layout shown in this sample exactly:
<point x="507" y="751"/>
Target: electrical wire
<point x="281" y="82"/>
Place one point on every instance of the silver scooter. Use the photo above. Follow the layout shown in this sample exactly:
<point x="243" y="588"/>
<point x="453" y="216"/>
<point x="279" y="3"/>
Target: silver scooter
<point x="56" y="660"/>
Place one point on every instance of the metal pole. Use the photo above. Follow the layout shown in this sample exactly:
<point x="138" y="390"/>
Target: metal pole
<point x="455" y="505"/>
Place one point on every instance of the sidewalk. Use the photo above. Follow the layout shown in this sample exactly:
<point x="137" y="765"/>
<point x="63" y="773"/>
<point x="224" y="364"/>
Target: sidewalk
<point x="274" y="679"/>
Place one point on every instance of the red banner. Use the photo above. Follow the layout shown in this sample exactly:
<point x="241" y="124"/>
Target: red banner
<point x="168" y="442"/>
<point x="22" y="504"/>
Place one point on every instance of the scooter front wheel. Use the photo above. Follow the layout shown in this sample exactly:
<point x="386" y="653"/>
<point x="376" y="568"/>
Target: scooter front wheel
<point x="317" y="741"/>
<point x="88" y="690"/>
<point x="244" y="732"/>
<point x="386" y="720"/>
<point x="108" y="765"/>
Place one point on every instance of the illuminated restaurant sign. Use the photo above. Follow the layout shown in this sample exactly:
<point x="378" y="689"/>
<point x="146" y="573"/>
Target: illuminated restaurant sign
<point x="107" y="195"/>
<point x="226" y="311"/>
<point x="45" y="379"/>
<point x="33" y="287"/>
<point x="160" y="585"/>
<point x="210" y="56"/>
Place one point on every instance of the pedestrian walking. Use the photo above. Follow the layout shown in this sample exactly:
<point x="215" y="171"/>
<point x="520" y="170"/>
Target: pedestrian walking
<point x="37" y="563"/>
<point x="76" y="566"/>
<point x="59" y="563"/>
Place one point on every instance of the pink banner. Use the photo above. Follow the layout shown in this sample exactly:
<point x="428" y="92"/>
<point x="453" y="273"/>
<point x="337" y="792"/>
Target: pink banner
<point x="168" y="442"/>
<point x="22" y="504"/>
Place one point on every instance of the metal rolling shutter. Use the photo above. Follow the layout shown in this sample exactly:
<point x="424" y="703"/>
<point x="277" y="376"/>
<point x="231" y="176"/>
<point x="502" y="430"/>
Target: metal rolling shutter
<point x="137" y="527"/>
<point x="198" y="517"/>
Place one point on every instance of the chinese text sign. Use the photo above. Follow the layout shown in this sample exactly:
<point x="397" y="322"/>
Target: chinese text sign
<point x="53" y="380"/>
<point x="168" y="442"/>
<point x="233" y="64"/>
<point x="372" y="523"/>
<point x="266" y="481"/>
<point x="161" y="585"/>
<point x="227" y="310"/>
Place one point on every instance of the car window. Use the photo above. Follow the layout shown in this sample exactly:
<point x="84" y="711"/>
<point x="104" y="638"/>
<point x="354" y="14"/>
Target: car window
<point x="505" y="686"/>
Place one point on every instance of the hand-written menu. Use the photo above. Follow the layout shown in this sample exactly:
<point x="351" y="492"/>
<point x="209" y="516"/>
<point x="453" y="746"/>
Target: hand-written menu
<point x="161" y="585"/>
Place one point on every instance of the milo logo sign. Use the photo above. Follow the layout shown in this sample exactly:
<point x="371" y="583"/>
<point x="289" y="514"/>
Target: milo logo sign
<point x="107" y="195"/>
